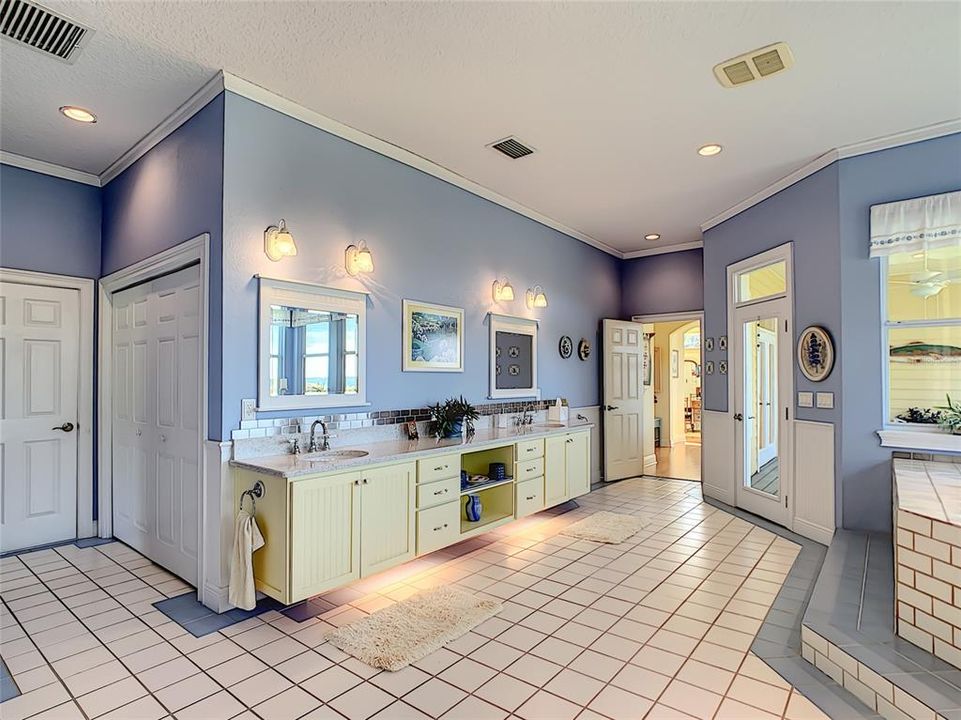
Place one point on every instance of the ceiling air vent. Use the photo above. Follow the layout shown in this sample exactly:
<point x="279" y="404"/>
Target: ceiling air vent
<point x="34" y="26"/>
<point x="755" y="65"/>
<point x="512" y="148"/>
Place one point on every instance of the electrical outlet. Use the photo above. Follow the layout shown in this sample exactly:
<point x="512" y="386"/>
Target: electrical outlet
<point x="248" y="409"/>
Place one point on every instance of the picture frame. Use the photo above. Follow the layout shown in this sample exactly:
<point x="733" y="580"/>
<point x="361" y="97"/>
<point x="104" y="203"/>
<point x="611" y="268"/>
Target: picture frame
<point x="709" y="344"/>
<point x="815" y="353"/>
<point x="722" y="343"/>
<point x="513" y="357"/>
<point x="433" y="337"/>
<point x="411" y="427"/>
<point x="647" y="360"/>
<point x="675" y="364"/>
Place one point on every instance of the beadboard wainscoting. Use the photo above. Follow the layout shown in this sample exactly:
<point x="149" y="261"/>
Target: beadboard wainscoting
<point x="814" y="487"/>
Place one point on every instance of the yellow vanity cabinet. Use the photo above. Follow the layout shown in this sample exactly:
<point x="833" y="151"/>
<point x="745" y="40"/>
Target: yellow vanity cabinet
<point x="567" y="467"/>
<point x="388" y="527"/>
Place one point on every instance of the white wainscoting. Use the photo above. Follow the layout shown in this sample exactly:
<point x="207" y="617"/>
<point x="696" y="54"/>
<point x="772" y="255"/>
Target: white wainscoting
<point x="220" y="515"/>
<point x="717" y="455"/>
<point x="814" y="480"/>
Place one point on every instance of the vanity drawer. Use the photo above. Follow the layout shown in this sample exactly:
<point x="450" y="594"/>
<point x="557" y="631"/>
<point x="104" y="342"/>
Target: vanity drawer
<point x="438" y="468"/>
<point x="438" y="527"/>
<point x="435" y="493"/>
<point x="530" y="449"/>
<point x="528" y="469"/>
<point x="530" y="496"/>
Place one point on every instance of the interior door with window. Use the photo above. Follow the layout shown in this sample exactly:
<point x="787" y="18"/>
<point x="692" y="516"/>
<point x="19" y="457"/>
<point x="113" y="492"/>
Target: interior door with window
<point x="762" y="367"/>
<point x="39" y="361"/>
<point x="623" y="405"/>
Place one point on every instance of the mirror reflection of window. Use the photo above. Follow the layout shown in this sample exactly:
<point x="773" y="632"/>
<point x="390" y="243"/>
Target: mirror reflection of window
<point x="312" y="352"/>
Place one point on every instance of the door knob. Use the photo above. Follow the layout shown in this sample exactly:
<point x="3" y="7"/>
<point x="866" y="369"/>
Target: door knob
<point x="610" y="407"/>
<point x="738" y="416"/>
<point x="66" y="427"/>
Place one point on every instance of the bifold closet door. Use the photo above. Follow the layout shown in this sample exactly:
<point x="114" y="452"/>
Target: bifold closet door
<point x="156" y="369"/>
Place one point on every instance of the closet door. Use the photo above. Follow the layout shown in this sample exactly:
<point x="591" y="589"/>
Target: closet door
<point x="156" y="419"/>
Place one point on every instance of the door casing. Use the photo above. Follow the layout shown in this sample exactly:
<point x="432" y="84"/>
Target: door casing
<point x="86" y="525"/>
<point x="180" y="256"/>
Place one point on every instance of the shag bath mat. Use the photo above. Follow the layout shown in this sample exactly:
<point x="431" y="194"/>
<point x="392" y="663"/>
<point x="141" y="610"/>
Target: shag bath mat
<point x="605" y="527"/>
<point x="395" y="636"/>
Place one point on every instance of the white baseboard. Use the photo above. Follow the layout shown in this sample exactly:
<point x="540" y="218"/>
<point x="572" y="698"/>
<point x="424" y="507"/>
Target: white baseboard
<point x="814" y="532"/>
<point x="215" y="598"/>
<point x="650" y="461"/>
<point x="722" y="494"/>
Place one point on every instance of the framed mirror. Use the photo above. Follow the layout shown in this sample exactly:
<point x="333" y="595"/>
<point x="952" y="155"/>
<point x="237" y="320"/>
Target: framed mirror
<point x="513" y="357"/>
<point x="312" y="347"/>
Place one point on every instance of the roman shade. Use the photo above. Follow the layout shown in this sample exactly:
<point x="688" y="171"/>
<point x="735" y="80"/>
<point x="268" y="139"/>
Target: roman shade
<point x="915" y="225"/>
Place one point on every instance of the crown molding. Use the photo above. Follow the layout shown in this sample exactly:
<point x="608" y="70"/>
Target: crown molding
<point x="211" y="89"/>
<point x="647" y="252"/>
<point x="907" y="137"/>
<point x="258" y="94"/>
<point x="45" y="168"/>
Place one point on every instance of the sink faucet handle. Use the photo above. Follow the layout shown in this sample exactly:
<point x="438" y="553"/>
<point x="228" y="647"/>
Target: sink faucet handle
<point x="294" y="446"/>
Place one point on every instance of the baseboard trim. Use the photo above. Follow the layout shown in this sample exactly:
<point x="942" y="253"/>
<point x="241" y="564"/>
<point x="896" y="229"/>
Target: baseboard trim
<point x="718" y="493"/>
<point x="813" y="531"/>
<point x="216" y="598"/>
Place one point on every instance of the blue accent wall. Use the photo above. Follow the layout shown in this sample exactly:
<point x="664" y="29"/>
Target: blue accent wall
<point x="925" y="168"/>
<point x="48" y="224"/>
<point x="661" y="284"/>
<point x="430" y="240"/>
<point x="170" y="195"/>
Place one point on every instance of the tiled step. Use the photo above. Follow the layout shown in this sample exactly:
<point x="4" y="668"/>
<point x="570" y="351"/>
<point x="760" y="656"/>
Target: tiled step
<point x="848" y="634"/>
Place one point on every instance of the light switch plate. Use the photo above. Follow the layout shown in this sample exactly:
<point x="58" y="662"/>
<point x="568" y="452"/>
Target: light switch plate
<point x="825" y="400"/>
<point x="248" y="409"/>
<point x="805" y="399"/>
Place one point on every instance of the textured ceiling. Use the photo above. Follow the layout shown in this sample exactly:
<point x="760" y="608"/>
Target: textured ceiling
<point x="615" y="97"/>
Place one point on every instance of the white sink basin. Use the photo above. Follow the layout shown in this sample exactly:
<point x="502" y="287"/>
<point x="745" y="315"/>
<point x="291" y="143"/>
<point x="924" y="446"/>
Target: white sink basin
<point x="550" y="425"/>
<point x="334" y="455"/>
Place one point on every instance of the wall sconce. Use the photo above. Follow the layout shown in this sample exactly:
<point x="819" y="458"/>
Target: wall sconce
<point x="358" y="259"/>
<point x="502" y="291"/>
<point x="536" y="297"/>
<point x="278" y="242"/>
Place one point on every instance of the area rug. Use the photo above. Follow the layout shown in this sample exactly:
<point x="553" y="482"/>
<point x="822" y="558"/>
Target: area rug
<point x="395" y="636"/>
<point x="605" y="527"/>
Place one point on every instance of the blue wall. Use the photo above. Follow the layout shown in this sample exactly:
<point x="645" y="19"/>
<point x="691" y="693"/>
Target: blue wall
<point x="430" y="240"/>
<point x="925" y="168"/>
<point x="48" y="224"/>
<point x="172" y="194"/>
<point x="661" y="284"/>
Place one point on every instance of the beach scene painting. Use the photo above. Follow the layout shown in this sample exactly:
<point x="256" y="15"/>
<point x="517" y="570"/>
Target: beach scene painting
<point x="433" y="338"/>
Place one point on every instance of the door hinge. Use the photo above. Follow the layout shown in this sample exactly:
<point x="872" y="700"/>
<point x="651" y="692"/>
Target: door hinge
<point x="785" y="501"/>
<point x="786" y="411"/>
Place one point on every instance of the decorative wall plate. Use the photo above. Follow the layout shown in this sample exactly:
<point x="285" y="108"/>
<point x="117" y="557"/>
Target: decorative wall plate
<point x="513" y="370"/>
<point x="722" y="367"/>
<point x="815" y="353"/>
<point x="709" y="367"/>
<point x="583" y="349"/>
<point x="708" y="344"/>
<point x="722" y="342"/>
<point x="566" y="346"/>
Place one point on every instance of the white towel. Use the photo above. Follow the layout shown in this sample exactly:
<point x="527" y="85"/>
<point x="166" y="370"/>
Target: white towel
<point x="247" y="540"/>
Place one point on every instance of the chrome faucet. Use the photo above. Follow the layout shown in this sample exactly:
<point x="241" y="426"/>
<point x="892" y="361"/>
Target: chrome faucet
<point x="528" y="418"/>
<point x="325" y="438"/>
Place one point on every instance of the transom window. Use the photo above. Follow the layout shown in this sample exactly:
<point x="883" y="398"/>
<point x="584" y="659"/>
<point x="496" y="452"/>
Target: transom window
<point x="762" y="282"/>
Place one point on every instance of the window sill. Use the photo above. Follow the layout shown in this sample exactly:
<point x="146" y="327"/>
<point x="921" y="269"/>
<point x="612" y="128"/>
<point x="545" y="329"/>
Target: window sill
<point x="923" y="440"/>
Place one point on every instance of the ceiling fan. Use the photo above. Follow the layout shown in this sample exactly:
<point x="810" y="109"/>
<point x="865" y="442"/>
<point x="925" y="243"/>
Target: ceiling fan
<point x="928" y="283"/>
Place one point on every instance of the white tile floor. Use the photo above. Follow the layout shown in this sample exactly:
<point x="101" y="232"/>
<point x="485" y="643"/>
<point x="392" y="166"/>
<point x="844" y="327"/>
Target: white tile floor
<point x="657" y="627"/>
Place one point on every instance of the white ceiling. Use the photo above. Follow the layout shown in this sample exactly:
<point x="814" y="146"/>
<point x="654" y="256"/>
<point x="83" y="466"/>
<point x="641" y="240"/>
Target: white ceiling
<point x="616" y="97"/>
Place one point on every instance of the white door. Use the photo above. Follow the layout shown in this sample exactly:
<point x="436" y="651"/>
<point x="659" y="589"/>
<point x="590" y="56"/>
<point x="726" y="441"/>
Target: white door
<point x="763" y="387"/>
<point x="623" y="400"/>
<point x="156" y="368"/>
<point x="39" y="363"/>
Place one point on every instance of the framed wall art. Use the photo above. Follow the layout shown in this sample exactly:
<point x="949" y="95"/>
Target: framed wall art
<point x="433" y="338"/>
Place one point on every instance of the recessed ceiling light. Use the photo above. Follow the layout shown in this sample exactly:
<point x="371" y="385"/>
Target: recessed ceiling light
<point x="78" y="113"/>
<point x="709" y="150"/>
<point x="652" y="236"/>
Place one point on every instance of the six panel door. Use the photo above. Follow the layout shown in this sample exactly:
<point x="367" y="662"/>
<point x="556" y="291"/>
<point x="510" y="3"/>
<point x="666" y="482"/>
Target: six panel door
<point x="39" y="361"/>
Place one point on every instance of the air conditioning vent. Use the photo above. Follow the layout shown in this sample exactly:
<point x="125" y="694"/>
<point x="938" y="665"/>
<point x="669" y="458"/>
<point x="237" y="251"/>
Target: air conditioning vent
<point x="34" y="26"/>
<point x="512" y="148"/>
<point x="755" y="65"/>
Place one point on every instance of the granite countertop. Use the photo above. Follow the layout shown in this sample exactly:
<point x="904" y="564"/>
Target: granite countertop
<point x="292" y="466"/>
<point x="931" y="489"/>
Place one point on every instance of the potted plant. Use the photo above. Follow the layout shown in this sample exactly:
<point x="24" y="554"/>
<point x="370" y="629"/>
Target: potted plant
<point x="447" y="419"/>
<point x="950" y="419"/>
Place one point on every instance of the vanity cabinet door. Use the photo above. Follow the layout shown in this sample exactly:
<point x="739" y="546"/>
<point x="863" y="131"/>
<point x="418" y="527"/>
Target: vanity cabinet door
<point x="324" y="533"/>
<point x="388" y="530"/>
<point x="555" y="470"/>
<point x="578" y="464"/>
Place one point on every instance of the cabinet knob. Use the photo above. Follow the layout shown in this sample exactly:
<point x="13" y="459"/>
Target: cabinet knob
<point x="530" y="497"/>
<point x="356" y="482"/>
<point x="440" y="492"/>
<point x="364" y="481"/>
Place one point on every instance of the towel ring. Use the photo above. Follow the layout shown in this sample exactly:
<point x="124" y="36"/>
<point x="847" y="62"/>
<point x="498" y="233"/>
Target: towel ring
<point x="257" y="491"/>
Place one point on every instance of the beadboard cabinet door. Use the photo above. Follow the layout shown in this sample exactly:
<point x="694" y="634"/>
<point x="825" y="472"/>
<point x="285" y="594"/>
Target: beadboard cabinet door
<point x="578" y="471"/>
<point x="555" y="470"/>
<point x="325" y="521"/>
<point x="388" y="528"/>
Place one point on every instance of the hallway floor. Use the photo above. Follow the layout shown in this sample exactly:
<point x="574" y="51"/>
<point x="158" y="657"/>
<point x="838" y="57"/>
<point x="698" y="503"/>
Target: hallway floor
<point x="659" y="626"/>
<point x="680" y="461"/>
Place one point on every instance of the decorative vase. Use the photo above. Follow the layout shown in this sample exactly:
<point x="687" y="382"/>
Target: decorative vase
<point x="473" y="508"/>
<point x="456" y="430"/>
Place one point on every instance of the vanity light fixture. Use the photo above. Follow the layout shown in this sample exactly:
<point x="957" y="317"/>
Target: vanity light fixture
<point x="278" y="242"/>
<point x="358" y="259"/>
<point x="652" y="236"/>
<point x="536" y="297"/>
<point x="709" y="150"/>
<point x="78" y="113"/>
<point x="502" y="291"/>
